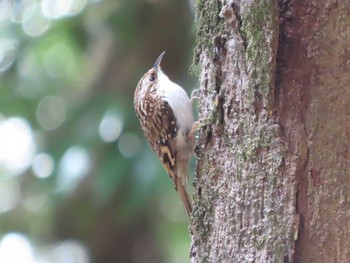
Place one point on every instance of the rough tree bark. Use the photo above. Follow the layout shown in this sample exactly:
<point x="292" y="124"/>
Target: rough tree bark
<point x="272" y="181"/>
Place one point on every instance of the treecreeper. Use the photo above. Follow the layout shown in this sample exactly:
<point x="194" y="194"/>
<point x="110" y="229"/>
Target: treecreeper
<point x="166" y="117"/>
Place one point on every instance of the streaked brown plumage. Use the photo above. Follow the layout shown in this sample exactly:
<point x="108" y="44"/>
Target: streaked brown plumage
<point x="165" y="114"/>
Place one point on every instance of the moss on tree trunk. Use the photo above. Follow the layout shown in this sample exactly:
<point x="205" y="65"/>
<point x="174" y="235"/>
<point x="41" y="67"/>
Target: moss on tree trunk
<point x="261" y="69"/>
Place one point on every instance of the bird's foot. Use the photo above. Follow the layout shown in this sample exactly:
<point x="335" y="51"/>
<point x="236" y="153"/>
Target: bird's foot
<point x="194" y="95"/>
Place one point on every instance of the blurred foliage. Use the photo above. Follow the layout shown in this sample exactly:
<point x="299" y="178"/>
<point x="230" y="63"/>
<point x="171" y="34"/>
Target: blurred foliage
<point x="78" y="182"/>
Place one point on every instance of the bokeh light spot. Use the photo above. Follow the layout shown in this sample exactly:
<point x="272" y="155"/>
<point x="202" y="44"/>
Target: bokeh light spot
<point x="35" y="202"/>
<point x="34" y="23"/>
<point x="8" y="52"/>
<point x="73" y="167"/>
<point x="19" y="10"/>
<point x="43" y="165"/>
<point x="27" y="64"/>
<point x="76" y="7"/>
<point x="9" y="194"/>
<point x="70" y="251"/>
<point x="51" y="112"/>
<point x="17" y="145"/>
<point x="6" y="7"/>
<point x="129" y="145"/>
<point x="54" y="9"/>
<point x="59" y="61"/>
<point x="111" y="126"/>
<point x="15" y="248"/>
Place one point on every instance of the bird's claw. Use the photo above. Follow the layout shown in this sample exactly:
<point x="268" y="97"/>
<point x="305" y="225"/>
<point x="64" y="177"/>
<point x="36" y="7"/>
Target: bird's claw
<point x="194" y="95"/>
<point x="195" y="127"/>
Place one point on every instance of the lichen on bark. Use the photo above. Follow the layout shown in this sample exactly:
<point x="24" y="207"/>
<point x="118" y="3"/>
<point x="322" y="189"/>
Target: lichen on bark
<point x="272" y="175"/>
<point x="238" y="216"/>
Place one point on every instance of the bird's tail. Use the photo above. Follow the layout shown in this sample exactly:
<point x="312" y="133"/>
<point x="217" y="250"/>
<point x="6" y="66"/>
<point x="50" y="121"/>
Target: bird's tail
<point x="186" y="200"/>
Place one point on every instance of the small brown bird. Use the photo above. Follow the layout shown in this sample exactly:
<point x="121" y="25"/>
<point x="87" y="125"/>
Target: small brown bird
<point x="165" y="114"/>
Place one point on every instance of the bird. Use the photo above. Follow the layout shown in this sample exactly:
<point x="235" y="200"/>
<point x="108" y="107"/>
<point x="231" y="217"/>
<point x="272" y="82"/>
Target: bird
<point x="165" y="114"/>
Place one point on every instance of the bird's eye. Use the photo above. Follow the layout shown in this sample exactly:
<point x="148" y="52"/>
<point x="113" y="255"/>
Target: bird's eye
<point x="151" y="78"/>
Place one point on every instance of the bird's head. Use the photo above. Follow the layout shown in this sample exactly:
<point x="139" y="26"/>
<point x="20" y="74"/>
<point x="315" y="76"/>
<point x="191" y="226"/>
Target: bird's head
<point x="151" y="77"/>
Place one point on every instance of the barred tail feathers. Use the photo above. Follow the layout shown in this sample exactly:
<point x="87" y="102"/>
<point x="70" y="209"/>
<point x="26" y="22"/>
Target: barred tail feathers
<point x="186" y="200"/>
<point x="180" y="178"/>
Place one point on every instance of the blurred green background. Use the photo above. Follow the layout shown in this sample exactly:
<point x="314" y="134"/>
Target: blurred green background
<point x="78" y="181"/>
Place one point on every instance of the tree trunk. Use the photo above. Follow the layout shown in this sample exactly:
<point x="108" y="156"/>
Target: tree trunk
<point x="272" y="181"/>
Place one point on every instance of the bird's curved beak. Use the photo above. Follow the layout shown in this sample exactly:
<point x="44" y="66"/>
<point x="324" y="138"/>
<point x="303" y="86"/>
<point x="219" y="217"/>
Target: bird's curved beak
<point x="158" y="61"/>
